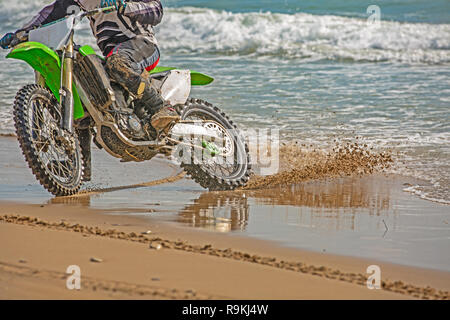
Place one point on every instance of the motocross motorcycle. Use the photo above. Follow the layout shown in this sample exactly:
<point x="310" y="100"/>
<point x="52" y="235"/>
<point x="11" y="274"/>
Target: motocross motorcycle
<point x="74" y="102"/>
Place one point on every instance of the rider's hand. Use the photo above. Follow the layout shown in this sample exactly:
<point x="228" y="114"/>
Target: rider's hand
<point x="6" y="40"/>
<point x="119" y="4"/>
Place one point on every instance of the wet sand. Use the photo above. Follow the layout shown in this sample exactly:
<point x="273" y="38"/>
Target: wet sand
<point x="38" y="243"/>
<point x="365" y="220"/>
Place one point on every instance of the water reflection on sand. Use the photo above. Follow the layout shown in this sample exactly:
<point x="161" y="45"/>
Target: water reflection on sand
<point x="367" y="216"/>
<point x="331" y="204"/>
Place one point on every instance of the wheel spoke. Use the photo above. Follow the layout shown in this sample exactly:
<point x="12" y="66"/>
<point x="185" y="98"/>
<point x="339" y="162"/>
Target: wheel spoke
<point x="58" y="163"/>
<point x="53" y="154"/>
<point x="225" y="169"/>
<point x="45" y="144"/>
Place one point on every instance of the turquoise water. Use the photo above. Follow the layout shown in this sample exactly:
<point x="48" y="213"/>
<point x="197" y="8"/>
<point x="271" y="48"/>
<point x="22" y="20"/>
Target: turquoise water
<point x="314" y="69"/>
<point x="436" y="11"/>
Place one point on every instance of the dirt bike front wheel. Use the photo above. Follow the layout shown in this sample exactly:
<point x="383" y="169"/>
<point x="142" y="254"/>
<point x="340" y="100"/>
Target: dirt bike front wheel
<point x="54" y="156"/>
<point x="230" y="167"/>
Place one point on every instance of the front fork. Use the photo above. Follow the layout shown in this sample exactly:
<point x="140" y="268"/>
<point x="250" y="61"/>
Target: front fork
<point x="65" y="90"/>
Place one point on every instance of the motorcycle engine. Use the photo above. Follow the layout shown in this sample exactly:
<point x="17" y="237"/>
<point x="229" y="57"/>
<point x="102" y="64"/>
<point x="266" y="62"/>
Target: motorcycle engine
<point x="131" y="126"/>
<point x="92" y="77"/>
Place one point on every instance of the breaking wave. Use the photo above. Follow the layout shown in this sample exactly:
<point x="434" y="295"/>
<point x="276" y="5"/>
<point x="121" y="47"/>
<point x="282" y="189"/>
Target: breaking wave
<point x="302" y="36"/>
<point x="291" y="36"/>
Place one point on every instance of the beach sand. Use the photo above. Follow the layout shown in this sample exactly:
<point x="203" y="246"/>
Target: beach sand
<point x="126" y="248"/>
<point x="38" y="243"/>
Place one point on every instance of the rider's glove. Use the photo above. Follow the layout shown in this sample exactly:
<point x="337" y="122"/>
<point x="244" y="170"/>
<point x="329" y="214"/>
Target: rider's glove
<point x="119" y="4"/>
<point x="6" y="40"/>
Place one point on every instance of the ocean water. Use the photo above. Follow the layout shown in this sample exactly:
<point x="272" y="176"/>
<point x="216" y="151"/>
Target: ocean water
<point x="316" y="70"/>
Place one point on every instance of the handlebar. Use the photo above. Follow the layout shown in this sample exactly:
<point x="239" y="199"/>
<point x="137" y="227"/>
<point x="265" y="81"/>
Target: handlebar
<point x="22" y="36"/>
<point x="97" y="10"/>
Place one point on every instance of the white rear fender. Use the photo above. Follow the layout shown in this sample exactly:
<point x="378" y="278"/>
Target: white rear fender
<point x="176" y="87"/>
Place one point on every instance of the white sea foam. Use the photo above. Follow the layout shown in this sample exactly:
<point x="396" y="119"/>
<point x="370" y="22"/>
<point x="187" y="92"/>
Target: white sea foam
<point x="302" y="36"/>
<point x="419" y="191"/>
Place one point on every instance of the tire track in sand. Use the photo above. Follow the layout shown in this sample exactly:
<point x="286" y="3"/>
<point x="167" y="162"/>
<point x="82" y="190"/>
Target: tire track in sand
<point x="107" y="286"/>
<point x="320" y="271"/>
<point x="86" y="193"/>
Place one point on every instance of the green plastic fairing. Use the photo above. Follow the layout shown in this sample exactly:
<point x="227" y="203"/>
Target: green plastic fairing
<point x="86" y="50"/>
<point x="44" y="60"/>
<point x="197" y="78"/>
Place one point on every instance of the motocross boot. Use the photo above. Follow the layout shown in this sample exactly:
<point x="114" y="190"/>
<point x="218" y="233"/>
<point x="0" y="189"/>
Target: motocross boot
<point x="163" y="117"/>
<point x="149" y="97"/>
<point x="162" y="114"/>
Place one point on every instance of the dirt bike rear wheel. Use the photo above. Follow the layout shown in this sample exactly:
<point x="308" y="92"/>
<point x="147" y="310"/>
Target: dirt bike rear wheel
<point x="229" y="175"/>
<point x="55" y="161"/>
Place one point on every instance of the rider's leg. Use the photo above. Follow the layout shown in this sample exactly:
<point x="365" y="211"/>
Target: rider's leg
<point x="128" y="64"/>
